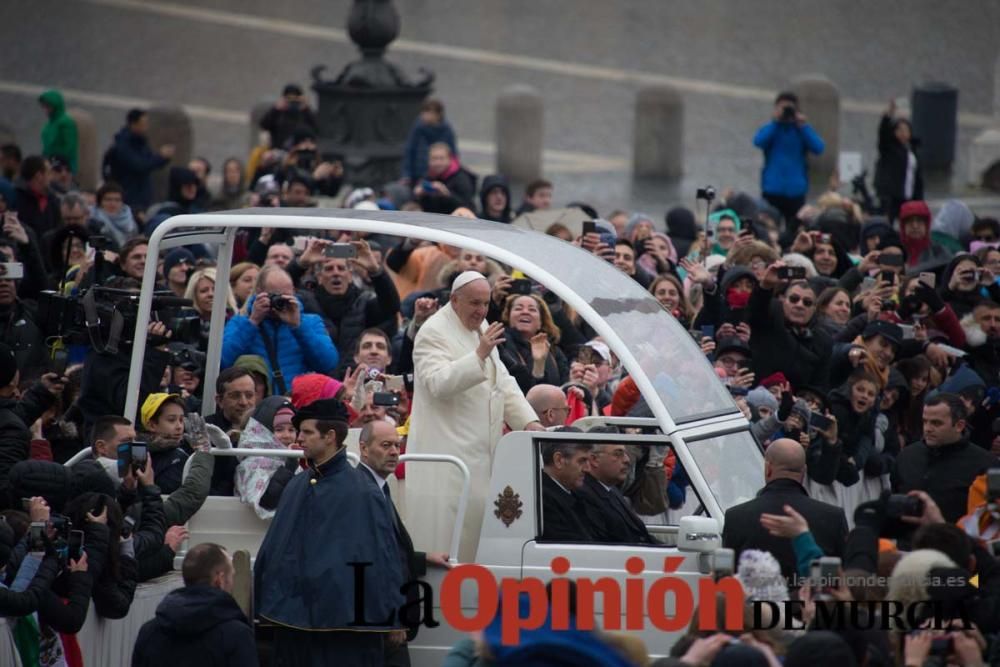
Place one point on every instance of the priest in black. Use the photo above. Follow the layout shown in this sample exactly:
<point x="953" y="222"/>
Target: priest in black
<point x="563" y="514"/>
<point x="610" y="518"/>
<point x="380" y="443"/>
<point x="333" y="534"/>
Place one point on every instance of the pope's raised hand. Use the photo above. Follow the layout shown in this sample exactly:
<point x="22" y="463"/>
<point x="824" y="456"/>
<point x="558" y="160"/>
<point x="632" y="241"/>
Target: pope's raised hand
<point x="489" y="339"/>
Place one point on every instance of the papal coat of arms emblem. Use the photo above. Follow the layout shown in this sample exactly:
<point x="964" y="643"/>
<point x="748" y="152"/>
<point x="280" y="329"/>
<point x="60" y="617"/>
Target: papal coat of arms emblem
<point x="508" y="506"/>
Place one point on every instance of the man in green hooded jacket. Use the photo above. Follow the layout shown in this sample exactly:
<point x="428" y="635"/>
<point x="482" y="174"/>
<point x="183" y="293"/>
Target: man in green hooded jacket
<point x="59" y="134"/>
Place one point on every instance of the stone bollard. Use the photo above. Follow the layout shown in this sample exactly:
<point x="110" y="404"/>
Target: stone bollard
<point x="169" y="125"/>
<point x="658" y="133"/>
<point x="7" y="135"/>
<point x="256" y="113"/>
<point x="519" y="133"/>
<point x="88" y="170"/>
<point x="819" y="100"/>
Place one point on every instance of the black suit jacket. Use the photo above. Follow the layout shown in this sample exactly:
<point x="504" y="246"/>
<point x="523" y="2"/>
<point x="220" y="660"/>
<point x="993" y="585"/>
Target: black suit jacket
<point x="609" y="518"/>
<point x="743" y="530"/>
<point x="416" y="561"/>
<point x="563" y="518"/>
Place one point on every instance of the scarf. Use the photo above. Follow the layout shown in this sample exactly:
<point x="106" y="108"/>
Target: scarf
<point x="451" y="170"/>
<point x="737" y="300"/>
<point x="915" y="247"/>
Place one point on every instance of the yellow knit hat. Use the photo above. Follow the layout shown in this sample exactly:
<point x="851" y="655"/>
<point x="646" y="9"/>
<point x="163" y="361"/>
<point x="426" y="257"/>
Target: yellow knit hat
<point x="151" y="406"/>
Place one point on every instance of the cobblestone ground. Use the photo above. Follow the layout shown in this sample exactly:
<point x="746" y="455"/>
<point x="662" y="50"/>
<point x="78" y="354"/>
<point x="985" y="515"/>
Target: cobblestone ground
<point x="221" y="56"/>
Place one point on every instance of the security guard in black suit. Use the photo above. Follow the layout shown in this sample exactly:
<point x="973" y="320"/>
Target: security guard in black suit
<point x="379" y="443"/>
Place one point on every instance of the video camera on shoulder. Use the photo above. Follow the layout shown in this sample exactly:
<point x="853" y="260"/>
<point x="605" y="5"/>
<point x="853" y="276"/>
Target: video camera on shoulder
<point x="106" y="317"/>
<point x="132" y="456"/>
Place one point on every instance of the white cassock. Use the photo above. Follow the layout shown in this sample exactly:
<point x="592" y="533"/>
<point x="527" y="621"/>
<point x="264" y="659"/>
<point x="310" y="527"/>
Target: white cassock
<point x="460" y="405"/>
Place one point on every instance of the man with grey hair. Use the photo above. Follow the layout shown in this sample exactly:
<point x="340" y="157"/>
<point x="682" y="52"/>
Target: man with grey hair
<point x="379" y="443"/>
<point x="462" y="397"/>
<point x="784" y="472"/>
<point x="564" y="466"/>
<point x="610" y="518"/>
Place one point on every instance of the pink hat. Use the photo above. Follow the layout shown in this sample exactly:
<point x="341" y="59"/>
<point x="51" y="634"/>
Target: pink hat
<point x="282" y="417"/>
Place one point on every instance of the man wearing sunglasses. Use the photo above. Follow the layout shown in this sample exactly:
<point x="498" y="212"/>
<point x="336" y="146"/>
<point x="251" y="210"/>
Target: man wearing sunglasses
<point x="784" y="338"/>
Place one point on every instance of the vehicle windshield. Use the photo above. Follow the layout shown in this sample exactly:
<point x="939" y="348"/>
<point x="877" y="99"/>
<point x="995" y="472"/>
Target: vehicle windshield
<point x="732" y="465"/>
<point x="681" y="376"/>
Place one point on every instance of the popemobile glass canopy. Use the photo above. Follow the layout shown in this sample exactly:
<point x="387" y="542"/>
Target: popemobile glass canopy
<point x="670" y="370"/>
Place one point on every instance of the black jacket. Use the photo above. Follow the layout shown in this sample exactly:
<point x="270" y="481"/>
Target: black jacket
<point x="609" y="517"/>
<point x="30" y="213"/>
<point x="16" y="418"/>
<point x="196" y="625"/>
<point x="743" y="530"/>
<point x="563" y="517"/>
<point x="515" y="353"/>
<point x="19" y="330"/>
<point x="944" y="472"/>
<point x="490" y="182"/>
<point x="282" y="123"/>
<point x="414" y="563"/>
<point x="803" y="356"/>
<point x="348" y="315"/>
<point x="105" y="382"/>
<point x="130" y="162"/>
<point x="462" y="192"/>
<point x="890" y="170"/>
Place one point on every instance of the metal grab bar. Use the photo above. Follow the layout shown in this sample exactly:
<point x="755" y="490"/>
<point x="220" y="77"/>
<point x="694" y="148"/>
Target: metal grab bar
<point x="79" y="456"/>
<point x="463" y="499"/>
<point x="273" y="453"/>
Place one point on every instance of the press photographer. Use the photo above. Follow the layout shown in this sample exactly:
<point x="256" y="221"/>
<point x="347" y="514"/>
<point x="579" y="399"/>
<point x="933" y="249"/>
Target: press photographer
<point x="104" y="318"/>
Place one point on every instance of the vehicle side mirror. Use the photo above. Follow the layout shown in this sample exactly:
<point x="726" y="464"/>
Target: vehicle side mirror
<point x="700" y="534"/>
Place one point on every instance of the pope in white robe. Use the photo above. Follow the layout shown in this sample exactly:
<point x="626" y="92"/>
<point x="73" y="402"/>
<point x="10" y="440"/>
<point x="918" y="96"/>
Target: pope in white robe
<point x="462" y="396"/>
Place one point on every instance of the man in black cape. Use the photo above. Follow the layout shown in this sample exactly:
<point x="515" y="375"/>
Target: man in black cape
<point x="332" y="534"/>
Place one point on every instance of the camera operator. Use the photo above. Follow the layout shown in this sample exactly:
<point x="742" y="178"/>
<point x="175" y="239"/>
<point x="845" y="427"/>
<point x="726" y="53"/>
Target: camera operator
<point x="277" y="330"/>
<point x="105" y="373"/>
<point x="785" y="141"/>
<point x="944" y="463"/>
<point x="289" y="114"/>
<point x="18" y="413"/>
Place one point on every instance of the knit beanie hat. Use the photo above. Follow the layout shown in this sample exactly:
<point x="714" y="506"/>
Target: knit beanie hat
<point x="761" y="397"/>
<point x="313" y="387"/>
<point x="283" y="416"/>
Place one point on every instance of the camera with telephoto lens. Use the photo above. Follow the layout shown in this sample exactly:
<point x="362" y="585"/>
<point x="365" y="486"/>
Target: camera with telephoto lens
<point x="106" y="317"/>
<point x="187" y="357"/>
<point x="899" y="505"/>
<point x="279" y="302"/>
<point x="788" y="114"/>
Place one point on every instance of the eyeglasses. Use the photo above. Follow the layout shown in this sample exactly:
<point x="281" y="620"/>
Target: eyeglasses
<point x="795" y="298"/>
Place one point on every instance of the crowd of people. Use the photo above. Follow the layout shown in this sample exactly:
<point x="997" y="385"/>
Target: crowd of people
<point x="862" y="345"/>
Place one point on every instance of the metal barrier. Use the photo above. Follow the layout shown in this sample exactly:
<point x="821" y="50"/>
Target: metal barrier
<point x="274" y="453"/>
<point x="463" y="499"/>
<point x="76" y="458"/>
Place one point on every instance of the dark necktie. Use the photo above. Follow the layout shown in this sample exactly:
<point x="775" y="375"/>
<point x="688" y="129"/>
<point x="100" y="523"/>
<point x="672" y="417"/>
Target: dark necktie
<point x="385" y="490"/>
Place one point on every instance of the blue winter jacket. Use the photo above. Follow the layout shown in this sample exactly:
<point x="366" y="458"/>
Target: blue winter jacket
<point x="785" y="146"/>
<point x="418" y="145"/>
<point x="307" y="349"/>
<point x="130" y="162"/>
